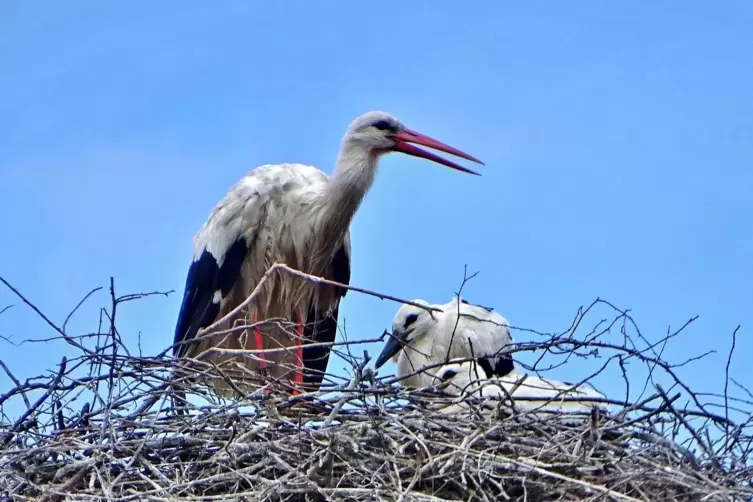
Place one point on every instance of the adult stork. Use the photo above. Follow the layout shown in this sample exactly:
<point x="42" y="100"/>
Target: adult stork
<point x="297" y="215"/>
<point x="422" y="339"/>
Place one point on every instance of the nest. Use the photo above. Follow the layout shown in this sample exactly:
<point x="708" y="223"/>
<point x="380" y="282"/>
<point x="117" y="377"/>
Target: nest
<point x="361" y="438"/>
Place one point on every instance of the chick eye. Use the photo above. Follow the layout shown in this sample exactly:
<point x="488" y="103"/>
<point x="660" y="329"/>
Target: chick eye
<point x="410" y="320"/>
<point x="383" y="125"/>
<point x="448" y="375"/>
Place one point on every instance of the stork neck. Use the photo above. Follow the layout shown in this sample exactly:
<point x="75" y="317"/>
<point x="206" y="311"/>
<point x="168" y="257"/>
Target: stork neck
<point x="353" y="176"/>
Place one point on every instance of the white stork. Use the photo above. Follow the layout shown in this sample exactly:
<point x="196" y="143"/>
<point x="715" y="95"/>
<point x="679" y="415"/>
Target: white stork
<point x="297" y="215"/>
<point x="424" y="339"/>
<point x="529" y="393"/>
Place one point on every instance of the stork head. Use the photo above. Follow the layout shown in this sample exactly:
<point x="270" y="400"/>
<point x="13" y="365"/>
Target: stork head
<point x="462" y="376"/>
<point x="379" y="133"/>
<point x="410" y="324"/>
<point x="458" y="375"/>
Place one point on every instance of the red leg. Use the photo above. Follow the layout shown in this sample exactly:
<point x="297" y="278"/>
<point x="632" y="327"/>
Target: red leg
<point x="299" y="356"/>
<point x="259" y="345"/>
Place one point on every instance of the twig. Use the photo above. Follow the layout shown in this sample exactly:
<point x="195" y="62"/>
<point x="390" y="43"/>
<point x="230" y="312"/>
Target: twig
<point x="726" y="384"/>
<point x="17" y="382"/>
<point x="44" y="317"/>
<point x="37" y="404"/>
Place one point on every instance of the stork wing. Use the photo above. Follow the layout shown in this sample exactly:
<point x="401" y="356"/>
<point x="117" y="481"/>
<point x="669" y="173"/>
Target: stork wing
<point x="219" y="250"/>
<point x="221" y="246"/>
<point x="206" y="284"/>
<point x="488" y="332"/>
<point x="537" y="387"/>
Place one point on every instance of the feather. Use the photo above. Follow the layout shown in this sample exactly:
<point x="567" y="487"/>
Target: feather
<point x="496" y="366"/>
<point x="207" y="284"/>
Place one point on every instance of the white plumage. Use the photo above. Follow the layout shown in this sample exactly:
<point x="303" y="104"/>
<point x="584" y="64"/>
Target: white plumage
<point x="422" y="339"/>
<point x="528" y="392"/>
<point x="274" y="209"/>
<point x="262" y="197"/>
<point x="292" y="214"/>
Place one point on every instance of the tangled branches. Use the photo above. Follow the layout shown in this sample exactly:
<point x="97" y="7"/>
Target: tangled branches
<point x="102" y="426"/>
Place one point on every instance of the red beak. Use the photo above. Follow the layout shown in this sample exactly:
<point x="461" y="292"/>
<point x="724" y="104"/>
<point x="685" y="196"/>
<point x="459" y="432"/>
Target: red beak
<point x="403" y="141"/>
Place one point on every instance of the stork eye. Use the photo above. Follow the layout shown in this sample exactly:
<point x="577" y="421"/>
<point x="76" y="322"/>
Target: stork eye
<point x="410" y="320"/>
<point x="384" y="125"/>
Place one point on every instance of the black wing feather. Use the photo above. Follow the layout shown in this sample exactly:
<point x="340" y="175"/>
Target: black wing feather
<point x="322" y="327"/>
<point x="488" y="309"/>
<point x="204" y="279"/>
<point x="497" y="366"/>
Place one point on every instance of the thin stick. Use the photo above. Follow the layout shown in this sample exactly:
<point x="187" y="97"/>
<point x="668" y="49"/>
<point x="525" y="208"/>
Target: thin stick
<point x="312" y="278"/>
<point x="46" y="319"/>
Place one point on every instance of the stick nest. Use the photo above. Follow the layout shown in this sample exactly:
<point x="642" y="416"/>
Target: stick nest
<point x="103" y="426"/>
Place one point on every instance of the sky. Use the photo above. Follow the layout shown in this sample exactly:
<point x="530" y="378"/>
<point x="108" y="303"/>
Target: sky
<point x="617" y="139"/>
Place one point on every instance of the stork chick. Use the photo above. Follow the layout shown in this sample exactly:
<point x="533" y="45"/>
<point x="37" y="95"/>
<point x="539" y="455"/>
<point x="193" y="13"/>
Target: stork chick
<point x="421" y="339"/>
<point x="529" y="393"/>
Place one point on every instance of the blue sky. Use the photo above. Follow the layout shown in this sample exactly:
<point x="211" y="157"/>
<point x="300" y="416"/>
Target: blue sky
<point x="617" y="140"/>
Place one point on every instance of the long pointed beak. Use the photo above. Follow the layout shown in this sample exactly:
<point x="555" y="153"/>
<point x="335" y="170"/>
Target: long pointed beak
<point x="393" y="346"/>
<point x="403" y="141"/>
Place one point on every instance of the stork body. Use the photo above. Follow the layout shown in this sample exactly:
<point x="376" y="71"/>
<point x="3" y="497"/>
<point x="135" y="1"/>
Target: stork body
<point x="529" y="393"/>
<point x="292" y="214"/>
<point x="268" y="216"/>
<point x="422" y="339"/>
